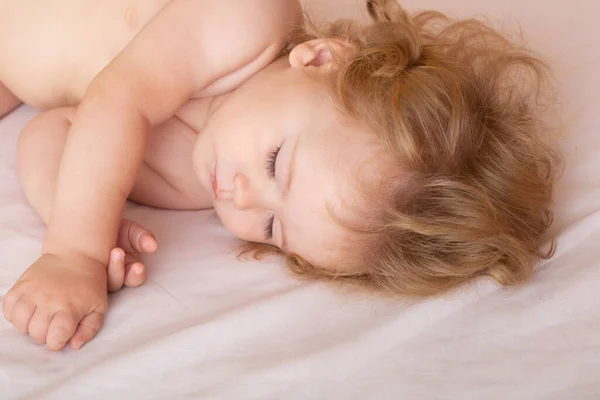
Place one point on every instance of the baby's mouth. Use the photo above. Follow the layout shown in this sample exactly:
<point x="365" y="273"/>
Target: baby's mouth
<point x="213" y="182"/>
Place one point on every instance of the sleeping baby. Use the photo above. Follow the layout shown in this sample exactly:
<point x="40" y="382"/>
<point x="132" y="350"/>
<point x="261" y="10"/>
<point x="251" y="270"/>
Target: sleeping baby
<point x="407" y="154"/>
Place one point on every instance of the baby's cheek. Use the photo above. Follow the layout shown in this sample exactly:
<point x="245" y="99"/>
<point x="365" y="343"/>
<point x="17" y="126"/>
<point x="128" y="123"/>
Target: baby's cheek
<point x="199" y="156"/>
<point x="239" y="223"/>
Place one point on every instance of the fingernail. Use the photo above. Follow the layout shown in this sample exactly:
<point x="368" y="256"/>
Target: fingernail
<point x="117" y="255"/>
<point x="137" y="269"/>
<point x="77" y="344"/>
<point x="149" y="245"/>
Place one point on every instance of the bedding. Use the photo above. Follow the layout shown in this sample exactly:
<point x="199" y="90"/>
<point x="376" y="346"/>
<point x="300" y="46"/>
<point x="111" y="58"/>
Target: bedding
<point x="208" y="326"/>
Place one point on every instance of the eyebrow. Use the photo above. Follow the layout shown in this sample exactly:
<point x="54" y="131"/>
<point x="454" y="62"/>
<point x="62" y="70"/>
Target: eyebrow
<point x="286" y="189"/>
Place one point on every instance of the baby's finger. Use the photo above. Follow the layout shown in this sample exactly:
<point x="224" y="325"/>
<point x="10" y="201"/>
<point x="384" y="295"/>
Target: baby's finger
<point x="87" y="329"/>
<point x="10" y="300"/>
<point x="61" y="329"/>
<point x="148" y="243"/>
<point x="115" y="272"/>
<point x="135" y="274"/>
<point x="38" y="326"/>
<point x="135" y="238"/>
<point x="21" y="314"/>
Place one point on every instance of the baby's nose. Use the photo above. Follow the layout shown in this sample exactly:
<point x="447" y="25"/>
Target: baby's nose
<point x="243" y="197"/>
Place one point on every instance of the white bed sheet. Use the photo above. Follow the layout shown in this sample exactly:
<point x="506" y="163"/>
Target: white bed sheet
<point x="207" y="326"/>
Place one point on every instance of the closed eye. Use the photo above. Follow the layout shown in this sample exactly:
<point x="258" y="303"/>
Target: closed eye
<point x="269" y="228"/>
<point x="271" y="161"/>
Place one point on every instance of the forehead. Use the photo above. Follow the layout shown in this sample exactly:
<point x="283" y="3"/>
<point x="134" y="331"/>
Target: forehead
<point x="329" y="165"/>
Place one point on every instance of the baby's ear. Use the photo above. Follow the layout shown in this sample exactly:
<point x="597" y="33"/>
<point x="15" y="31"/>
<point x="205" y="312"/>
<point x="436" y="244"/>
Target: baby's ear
<point x="321" y="53"/>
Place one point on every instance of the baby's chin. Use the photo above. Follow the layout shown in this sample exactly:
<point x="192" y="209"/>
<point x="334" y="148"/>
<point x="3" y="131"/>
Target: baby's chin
<point x="228" y="221"/>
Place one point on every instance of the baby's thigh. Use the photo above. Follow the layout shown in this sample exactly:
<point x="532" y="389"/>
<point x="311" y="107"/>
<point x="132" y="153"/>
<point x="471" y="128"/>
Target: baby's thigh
<point x="8" y="101"/>
<point x="45" y="134"/>
<point x="40" y="149"/>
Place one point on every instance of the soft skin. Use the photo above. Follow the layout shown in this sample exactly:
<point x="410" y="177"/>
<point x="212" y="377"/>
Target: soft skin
<point x="157" y="110"/>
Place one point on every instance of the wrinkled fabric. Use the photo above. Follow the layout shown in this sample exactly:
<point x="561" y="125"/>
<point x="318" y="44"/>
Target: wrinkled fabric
<point x="208" y="326"/>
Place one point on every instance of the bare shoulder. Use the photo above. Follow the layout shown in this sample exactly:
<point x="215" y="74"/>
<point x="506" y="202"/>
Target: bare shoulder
<point x="263" y="16"/>
<point x="243" y="37"/>
<point x="195" y="48"/>
<point x="246" y="24"/>
<point x="240" y="37"/>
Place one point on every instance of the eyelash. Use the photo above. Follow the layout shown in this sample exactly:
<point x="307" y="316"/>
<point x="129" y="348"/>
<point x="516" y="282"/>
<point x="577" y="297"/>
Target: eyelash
<point x="271" y="159"/>
<point x="269" y="228"/>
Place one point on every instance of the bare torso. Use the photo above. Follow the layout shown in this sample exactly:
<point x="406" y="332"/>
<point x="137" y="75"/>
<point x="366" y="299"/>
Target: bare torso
<point x="71" y="41"/>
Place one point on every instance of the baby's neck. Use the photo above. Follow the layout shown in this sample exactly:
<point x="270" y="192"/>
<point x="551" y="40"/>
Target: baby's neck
<point x="275" y="67"/>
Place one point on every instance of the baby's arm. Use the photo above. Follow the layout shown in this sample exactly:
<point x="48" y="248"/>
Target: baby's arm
<point x="182" y="51"/>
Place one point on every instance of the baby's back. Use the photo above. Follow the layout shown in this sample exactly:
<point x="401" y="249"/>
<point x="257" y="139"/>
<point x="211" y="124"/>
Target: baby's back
<point x="52" y="49"/>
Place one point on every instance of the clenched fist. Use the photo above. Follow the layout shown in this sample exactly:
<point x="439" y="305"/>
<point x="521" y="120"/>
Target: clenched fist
<point x="63" y="298"/>
<point x="59" y="298"/>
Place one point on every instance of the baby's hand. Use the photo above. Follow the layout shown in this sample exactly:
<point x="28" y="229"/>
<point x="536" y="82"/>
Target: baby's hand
<point x="62" y="298"/>
<point x="124" y="267"/>
<point x="59" y="298"/>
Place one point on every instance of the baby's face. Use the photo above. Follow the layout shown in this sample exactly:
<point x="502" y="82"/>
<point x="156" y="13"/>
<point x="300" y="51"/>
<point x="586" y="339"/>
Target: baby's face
<point x="280" y="157"/>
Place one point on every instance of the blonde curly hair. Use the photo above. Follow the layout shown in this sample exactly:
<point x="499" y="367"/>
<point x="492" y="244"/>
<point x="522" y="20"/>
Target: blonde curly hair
<point x="458" y="106"/>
